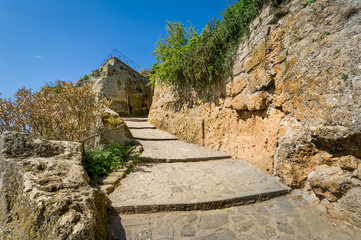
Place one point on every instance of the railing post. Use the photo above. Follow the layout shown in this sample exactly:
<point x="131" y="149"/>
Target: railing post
<point x="203" y="133"/>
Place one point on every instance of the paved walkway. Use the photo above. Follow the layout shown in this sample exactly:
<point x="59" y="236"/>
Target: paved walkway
<point x="177" y="151"/>
<point x="193" y="186"/>
<point x="288" y="217"/>
<point x="163" y="200"/>
<point x="160" y="146"/>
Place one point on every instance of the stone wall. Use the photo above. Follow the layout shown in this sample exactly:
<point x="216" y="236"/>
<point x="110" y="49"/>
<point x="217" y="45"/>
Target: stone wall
<point x="44" y="191"/>
<point x="126" y="88"/>
<point x="293" y="103"/>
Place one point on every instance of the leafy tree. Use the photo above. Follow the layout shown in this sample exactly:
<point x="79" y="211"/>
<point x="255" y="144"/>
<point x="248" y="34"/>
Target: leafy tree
<point x="201" y="60"/>
<point x="169" y="53"/>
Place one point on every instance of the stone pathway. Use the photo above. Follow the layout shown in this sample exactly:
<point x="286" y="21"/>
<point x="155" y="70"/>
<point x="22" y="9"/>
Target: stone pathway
<point x="152" y="135"/>
<point x="177" y="151"/>
<point x="158" y="201"/>
<point x="160" y="146"/>
<point x="289" y="217"/>
<point x="139" y="125"/>
<point x="193" y="186"/>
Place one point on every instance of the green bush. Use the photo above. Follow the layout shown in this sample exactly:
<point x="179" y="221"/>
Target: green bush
<point x="202" y="59"/>
<point x="99" y="162"/>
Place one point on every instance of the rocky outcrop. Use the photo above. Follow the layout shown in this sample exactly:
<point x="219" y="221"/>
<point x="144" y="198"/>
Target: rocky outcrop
<point x="126" y="88"/>
<point x="113" y="128"/>
<point x="293" y="101"/>
<point x="44" y="191"/>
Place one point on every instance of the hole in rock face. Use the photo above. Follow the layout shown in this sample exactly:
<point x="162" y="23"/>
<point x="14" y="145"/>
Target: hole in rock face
<point x="269" y="89"/>
<point x="245" y="114"/>
<point x="340" y="147"/>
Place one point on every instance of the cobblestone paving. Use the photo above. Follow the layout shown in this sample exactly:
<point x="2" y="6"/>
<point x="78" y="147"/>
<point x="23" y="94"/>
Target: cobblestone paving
<point x="288" y="217"/>
<point x="197" y="185"/>
<point x="177" y="151"/>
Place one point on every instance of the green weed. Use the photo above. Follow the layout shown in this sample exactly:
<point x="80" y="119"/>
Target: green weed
<point x="99" y="162"/>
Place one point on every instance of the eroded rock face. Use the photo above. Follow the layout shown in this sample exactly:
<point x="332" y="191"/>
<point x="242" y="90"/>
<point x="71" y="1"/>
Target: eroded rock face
<point x="329" y="182"/>
<point x="125" y="87"/>
<point x="44" y="191"/>
<point x="114" y="129"/>
<point x="249" y="135"/>
<point x="293" y="102"/>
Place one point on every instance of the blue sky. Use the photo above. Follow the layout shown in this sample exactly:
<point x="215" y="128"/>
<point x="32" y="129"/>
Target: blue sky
<point x="48" y="40"/>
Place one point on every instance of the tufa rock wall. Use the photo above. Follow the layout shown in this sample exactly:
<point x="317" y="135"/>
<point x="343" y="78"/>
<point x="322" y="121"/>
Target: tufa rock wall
<point x="293" y="104"/>
<point x="125" y="87"/>
<point x="44" y="191"/>
<point x="113" y="128"/>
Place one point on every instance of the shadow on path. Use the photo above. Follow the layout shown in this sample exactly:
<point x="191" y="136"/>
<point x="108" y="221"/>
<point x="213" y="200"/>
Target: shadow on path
<point x="115" y="228"/>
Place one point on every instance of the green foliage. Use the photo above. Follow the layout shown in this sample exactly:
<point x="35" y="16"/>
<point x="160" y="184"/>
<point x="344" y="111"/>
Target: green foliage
<point x="202" y="59"/>
<point x="99" y="162"/>
<point x="344" y="76"/>
<point x="84" y="78"/>
<point x="169" y="52"/>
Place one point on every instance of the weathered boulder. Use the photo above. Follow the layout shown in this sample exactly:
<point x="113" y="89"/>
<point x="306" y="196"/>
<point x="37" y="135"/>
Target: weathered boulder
<point x="329" y="182"/>
<point x="114" y="129"/>
<point x="349" y="162"/>
<point x="44" y="191"/>
<point x="126" y="88"/>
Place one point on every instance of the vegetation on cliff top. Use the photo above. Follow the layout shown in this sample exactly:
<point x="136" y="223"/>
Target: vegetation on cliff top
<point x="202" y="59"/>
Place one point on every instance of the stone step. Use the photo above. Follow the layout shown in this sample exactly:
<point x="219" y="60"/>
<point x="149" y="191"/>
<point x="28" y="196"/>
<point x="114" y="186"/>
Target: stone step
<point x="135" y="119"/>
<point x="139" y="125"/>
<point x="193" y="186"/>
<point x="152" y="135"/>
<point x="177" y="151"/>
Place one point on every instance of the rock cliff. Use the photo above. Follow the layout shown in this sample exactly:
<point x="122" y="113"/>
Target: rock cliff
<point x="293" y="103"/>
<point x="44" y="191"/>
<point x="126" y="88"/>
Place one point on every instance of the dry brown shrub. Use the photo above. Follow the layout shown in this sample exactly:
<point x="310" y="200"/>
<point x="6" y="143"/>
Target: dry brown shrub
<point x="62" y="112"/>
<point x="350" y="12"/>
<point x="144" y="72"/>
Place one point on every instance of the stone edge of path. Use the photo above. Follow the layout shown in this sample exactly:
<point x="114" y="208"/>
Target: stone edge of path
<point x="191" y="159"/>
<point x="107" y="184"/>
<point x="131" y="125"/>
<point x="156" y="139"/>
<point x="201" y="205"/>
<point x="141" y="127"/>
<point x="135" y="119"/>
